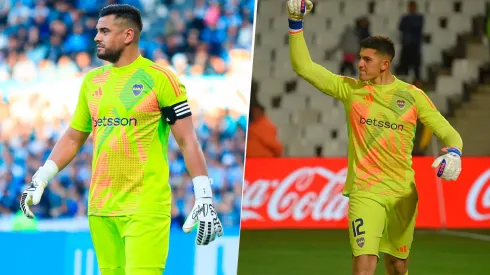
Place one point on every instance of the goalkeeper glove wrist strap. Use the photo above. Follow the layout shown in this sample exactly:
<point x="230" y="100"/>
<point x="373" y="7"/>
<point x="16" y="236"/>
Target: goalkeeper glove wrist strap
<point x="295" y="26"/>
<point x="452" y="150"/>
<point x="202" y="187"/>
<point x="46" y="172"/>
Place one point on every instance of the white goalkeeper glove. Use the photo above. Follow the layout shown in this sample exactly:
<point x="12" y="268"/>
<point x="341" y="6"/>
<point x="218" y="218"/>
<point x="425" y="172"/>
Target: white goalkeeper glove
<point x="204" y="213"/>
<point x="32" y="195"/>
<point x="448" y="165"/>
<point x="297" y="10"/>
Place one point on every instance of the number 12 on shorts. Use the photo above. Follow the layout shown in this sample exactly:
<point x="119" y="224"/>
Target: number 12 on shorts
<point x="356" y="227"/>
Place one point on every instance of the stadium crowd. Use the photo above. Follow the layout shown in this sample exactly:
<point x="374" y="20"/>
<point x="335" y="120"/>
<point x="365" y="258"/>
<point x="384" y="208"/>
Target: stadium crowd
<point x="47" y="39"/>
<point x="43" y="38"/>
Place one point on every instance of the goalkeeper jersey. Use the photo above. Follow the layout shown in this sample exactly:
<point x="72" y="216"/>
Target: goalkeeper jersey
<point x="123" y="107"/>
<point x="381" y="125"/>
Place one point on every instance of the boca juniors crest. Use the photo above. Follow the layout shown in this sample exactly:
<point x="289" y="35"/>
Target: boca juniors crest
<point x="137" y="89"/>
<point x="400" y="103"/>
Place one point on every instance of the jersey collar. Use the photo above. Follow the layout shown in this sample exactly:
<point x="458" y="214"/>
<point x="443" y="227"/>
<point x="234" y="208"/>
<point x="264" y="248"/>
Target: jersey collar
<point x="130" y="67"/>
<point x="385" y="87"/>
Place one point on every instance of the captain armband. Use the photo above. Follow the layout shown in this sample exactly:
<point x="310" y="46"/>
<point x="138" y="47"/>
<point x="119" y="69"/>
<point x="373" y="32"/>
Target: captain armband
<point x="177" y="111"/>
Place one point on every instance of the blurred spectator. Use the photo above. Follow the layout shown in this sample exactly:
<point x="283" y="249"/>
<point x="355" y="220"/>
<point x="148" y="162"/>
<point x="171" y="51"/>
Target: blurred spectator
<point x="349" y="45"/>
<point x="262" y="134"/>
<point x="362" y="28"/>
<point x="411" y="27"/>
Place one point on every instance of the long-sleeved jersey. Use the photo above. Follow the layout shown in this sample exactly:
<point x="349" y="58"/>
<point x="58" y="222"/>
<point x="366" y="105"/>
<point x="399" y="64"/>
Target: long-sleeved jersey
<point x="381" y="124"/>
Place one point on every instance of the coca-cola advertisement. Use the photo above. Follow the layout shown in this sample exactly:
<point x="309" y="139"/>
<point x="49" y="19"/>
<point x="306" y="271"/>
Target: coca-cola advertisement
<point x="307" y="193"/>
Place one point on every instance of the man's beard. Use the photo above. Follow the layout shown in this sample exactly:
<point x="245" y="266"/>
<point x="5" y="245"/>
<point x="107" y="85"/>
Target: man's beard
<point x="111" y="55"/>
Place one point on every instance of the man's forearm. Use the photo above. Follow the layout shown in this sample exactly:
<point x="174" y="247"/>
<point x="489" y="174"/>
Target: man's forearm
<point x="63" y="153"/>
<point x="452" y="138"/>
<point x="194" y="158"/>
<point x="67" y="147"/>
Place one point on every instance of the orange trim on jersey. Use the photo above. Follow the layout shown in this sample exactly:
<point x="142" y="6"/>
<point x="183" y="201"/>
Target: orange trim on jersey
<point x="101" y="78"/>
<point x="370" y="88"/>
<point x="295" y="31"/>
<point x="171" y="78"/>
<point x="369" y="98"/>
<point x="422" y="92"/>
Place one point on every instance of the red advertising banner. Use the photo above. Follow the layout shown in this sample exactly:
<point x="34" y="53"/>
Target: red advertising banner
<point x="307" y="193"/>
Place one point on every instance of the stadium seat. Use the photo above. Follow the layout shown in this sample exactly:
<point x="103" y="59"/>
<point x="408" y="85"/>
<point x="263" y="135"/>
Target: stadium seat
<point x="444" y="39"/>
<point x="478" y="53"/>
<point x="306" y="116"/>
<point x="317" y="133"/>
<point x="432" y="24"/>
<point x="464" y="69"/>
<point x="300" y="148"/>
<point x="459" y="23"/>
<point x="328" y="8"/>
<point x="431" y="54"/>
<point x="449" y="86"/>
<point x="279" y="117"/>
<point x="355" y="9"/>
<point x="440" y="101"/>
<point x="473" y="7"/>
<point x="384" y="7"/>
<point x="293" y="102"/>
<point x="440" y="7"/>
<point x="334" y="148"/>
<point x="290" y="134"/>
<point x="319" y="100"/>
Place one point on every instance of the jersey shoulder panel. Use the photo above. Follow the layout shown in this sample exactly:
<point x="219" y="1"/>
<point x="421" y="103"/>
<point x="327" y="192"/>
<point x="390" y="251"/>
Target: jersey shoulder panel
<point x="159" y="73"/>
<point x="98" y="75"/>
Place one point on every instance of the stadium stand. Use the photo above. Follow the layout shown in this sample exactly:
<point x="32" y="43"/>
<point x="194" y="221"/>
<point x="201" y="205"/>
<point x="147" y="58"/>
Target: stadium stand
<point x="454" y="70"/>
<point x="46" y="44"/>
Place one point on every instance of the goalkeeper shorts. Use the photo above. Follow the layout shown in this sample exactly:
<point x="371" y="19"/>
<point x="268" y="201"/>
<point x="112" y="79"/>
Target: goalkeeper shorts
<point x="379" y="223"/>
<point x="131" y="245"/>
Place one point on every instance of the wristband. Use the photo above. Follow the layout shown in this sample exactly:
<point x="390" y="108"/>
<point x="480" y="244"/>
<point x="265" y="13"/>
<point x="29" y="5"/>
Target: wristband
<point x="202" y="187"/>
<point x="452" y="150"/>
<point x="295" y="26"/>
<point x="46" y="172"/>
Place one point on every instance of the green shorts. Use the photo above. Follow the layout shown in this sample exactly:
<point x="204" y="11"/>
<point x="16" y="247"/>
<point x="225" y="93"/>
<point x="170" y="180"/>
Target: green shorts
<point x="130" y="245"/>
<point x="379" y="223"/>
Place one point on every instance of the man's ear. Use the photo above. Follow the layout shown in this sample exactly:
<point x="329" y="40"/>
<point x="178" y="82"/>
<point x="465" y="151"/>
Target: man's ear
<point x="385" y="64"/>
<point x="129" y="36"/>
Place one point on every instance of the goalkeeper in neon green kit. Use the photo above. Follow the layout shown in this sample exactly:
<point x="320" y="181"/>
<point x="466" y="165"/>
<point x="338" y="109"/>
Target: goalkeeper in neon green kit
<point x="382" y="113"/>
<point x="130" y="106"/>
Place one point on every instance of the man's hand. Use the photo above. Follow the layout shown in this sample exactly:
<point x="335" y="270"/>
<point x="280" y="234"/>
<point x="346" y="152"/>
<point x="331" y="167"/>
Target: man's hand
<point x="448" y="165"/>
<point x="298" y="9"/>
<point x="204" y="213"/>
<point x="32" y="196"/>
<point x="209" y="223"/>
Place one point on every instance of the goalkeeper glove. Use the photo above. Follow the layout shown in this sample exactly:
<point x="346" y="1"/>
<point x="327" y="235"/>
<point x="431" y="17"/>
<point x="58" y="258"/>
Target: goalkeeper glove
<point x="297" y="10"/>
<point x="32" y="195"/>
<point x="204" y="213"/>
<point x="449" y="164"/>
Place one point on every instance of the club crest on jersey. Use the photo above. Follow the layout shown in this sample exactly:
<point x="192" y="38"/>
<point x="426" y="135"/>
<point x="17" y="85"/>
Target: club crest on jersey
<point x="137" y="89"/>
<point x="400" y="103"/>
<point x="360" y="242"/>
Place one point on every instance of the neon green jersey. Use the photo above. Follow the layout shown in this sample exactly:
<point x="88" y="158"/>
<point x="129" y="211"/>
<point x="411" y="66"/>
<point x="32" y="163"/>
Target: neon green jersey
<point x="381" y="125"/>
<point x="122" y="107"/>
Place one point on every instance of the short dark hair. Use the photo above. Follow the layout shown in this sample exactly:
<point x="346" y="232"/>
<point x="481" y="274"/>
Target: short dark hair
<point x="124" y="11"/>
<point x="380" y="43"/>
